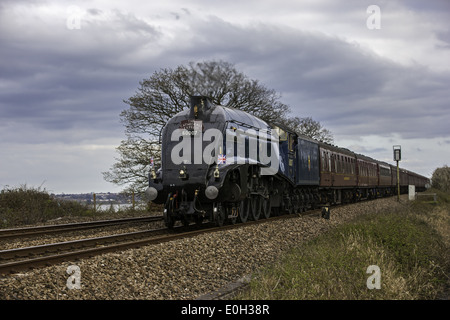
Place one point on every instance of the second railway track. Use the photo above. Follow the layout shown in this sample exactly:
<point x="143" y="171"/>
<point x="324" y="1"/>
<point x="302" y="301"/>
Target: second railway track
<point x="16" y="233"/>
<point x="19" y="259"/>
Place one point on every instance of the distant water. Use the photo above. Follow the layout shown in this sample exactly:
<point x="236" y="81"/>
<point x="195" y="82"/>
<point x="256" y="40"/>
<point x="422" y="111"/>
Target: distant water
<point x="115" y="207"/>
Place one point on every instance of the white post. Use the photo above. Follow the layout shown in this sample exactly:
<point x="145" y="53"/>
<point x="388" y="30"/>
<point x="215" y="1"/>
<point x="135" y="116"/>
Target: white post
<point x="412" y="192"/>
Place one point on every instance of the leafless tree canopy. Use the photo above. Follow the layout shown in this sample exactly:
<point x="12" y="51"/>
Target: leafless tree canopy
<point x="310" y="128"/>
<point x="167" y="92"/>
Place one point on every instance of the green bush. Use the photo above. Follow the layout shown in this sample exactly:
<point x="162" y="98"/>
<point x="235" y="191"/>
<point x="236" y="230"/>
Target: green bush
<point x="23" y="205"/>
<point x="441" y="179"/>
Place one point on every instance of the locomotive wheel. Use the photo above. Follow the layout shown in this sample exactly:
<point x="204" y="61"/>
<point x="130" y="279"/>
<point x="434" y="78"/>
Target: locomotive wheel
<point x="255" y="207"/>
<point x="219" y="215"/>
<point x="168" y="219"/>
<point x="266" y="208"/>
<point x="244" y="208"/>
<point x="198" y="220"/>
<point x="185" y="221"/>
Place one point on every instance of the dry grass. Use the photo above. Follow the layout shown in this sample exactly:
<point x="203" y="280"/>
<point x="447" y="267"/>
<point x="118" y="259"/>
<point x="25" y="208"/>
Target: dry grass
<point x="410" y="247"/>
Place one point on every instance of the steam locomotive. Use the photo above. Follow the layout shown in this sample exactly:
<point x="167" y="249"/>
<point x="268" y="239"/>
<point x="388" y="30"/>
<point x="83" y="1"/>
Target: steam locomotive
<point x="223" y="164"/>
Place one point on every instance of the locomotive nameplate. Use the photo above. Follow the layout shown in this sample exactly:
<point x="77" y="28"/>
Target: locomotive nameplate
<point x="191" y="127"/>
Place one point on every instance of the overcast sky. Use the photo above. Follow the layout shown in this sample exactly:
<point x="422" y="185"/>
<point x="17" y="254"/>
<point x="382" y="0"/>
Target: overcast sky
<point x="375" y="73"/>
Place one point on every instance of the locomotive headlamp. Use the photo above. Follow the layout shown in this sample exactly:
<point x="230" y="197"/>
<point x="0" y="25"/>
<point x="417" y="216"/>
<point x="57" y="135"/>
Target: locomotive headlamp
<point x="183" y="173"/>
<point x="211" y="192"/>
<point x="196" y="112"/>
<point x="217" y="173"/>
<point x="153" y="174"/>
<point x="152" y="193"/>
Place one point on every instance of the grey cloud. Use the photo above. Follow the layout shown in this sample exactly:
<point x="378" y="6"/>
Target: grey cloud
<point x="444" y="36"/>
<point x="61" y="87"/>
<point x="365" y="150"/>
<point x="444" y="142"/>
<point x="436" y="6"/>
<point x="59" y="79"/>
<point x="336" y="82"/>
<point x="94" y="11"/>
<point x="50" y="73"/>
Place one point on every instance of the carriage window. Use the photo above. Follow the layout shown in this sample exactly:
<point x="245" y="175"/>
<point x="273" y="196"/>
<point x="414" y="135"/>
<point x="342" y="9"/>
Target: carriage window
<point x="335" y="164"/>
<point x="329" y="161"/>
<point x="323" y="160"/>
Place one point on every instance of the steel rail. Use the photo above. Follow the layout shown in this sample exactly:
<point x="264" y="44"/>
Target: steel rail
<point x="31" y="263"/>
<point x="33" y="231"/>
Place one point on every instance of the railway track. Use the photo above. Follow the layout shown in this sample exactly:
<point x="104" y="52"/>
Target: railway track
<point x="52" y="229"/>
<point x="20" y="259"/>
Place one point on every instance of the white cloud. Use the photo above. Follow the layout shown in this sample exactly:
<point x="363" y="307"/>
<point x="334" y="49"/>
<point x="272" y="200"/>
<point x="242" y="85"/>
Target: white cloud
<point x="418" y="155"/>
<point x="58" y="167"/>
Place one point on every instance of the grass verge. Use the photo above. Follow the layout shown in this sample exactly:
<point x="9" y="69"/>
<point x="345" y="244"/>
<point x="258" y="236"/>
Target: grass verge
<point x="409" y="248"/>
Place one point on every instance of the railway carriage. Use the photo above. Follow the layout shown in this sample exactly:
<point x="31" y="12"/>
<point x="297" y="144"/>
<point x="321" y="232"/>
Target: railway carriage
<point x="417" y="180"/>
<point x="338" y="175"/>
<point x="384" y="179"/>
<point x="367" y="172"/>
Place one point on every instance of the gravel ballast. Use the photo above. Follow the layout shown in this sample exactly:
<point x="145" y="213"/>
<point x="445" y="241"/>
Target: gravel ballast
<point x="181" y="269"/>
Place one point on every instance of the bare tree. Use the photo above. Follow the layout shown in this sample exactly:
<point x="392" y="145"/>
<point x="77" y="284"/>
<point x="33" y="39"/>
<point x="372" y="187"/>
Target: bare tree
<point x="166" y="93"/>
<point x="309" y="127"/>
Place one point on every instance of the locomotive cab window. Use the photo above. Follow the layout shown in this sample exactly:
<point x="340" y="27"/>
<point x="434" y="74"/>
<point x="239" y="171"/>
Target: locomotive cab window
<point x="323" y="161"/>
<point x="282" y="135"/>
<point x="291" y="142"/>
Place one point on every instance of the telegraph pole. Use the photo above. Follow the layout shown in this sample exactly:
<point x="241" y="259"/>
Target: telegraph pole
<point x="398" y="157"/>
